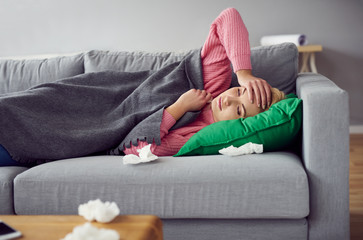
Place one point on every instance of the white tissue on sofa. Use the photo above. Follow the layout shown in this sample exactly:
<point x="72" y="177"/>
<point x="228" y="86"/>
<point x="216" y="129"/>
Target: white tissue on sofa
<point x="145" y="155"/>
<point x="247" y="148"/>
<point x="89" y="232"/>
<point x="297" y="39"/>
<point x="100" y="211"/>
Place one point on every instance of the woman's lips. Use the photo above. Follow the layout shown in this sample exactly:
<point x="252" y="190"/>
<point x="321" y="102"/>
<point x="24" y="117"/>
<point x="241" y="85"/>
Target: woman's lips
<point x="220" y="103"/>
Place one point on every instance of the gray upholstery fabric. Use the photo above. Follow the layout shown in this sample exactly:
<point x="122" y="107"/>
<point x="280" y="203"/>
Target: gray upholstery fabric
<point x="165" y="186"/>
<point x="326" y="155"/>
<point x="236" y="229"/>
<point x="97" y="60"/>
<point x="277" y="64"/>
<point x="19" y="75"/>
<point x="7" y="175"/>
<point x="270" y="185"/>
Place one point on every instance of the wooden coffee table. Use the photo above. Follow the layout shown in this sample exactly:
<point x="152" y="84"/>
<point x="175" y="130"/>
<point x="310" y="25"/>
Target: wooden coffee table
<point x="58" y="226"/>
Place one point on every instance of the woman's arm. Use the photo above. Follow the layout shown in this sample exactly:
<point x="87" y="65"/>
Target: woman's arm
<point x="166" y="123"/>
<point x="227" y="43"/>
<point x="192" y="100"/>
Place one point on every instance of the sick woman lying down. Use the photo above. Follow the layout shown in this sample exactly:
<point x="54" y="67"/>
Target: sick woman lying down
<point x="98" y="113"/>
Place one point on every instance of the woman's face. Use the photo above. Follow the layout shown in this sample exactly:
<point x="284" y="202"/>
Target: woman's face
<point x="233" y="104"/>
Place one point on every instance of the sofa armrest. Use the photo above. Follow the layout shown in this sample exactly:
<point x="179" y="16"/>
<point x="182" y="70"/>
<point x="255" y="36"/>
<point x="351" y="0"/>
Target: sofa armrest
<point x="325" y="154"/>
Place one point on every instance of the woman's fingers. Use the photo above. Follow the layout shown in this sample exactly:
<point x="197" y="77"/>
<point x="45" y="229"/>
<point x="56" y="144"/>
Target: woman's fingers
<point x="267" y="89"/>
<point x="261" y="91"/>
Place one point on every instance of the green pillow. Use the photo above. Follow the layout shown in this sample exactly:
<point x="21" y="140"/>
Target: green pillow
<point x="275" y="128"/>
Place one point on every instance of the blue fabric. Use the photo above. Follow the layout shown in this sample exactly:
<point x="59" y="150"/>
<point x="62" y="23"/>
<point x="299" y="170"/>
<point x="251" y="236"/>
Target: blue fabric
<point x="5" y="158"/>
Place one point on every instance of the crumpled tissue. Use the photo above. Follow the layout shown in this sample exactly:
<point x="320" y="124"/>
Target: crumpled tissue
<point x="89" y="232"/>
<point x="145" y="155"/>
<point x="103" y="212"/>
<point x="247" y="148"/>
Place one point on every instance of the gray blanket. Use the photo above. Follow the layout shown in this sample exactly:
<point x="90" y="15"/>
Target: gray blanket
<point x="94" y="113"/>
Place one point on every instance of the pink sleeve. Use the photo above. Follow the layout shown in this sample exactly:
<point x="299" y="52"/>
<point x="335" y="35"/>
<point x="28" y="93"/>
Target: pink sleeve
<point x="227" y="43"/>
<point x="166" y="123"/>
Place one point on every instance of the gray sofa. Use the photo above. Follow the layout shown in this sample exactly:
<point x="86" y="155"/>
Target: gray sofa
<point x="299" y="193"/>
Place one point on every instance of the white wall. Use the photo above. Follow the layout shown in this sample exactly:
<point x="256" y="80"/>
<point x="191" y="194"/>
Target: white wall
<point x="63" y="26"/>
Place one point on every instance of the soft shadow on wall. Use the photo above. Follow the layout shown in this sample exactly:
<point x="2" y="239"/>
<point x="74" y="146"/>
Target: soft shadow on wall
<point x="347" y="73"/>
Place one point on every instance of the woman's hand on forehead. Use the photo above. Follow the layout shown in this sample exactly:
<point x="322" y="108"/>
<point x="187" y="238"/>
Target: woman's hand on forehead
<point x="256" y="88"/>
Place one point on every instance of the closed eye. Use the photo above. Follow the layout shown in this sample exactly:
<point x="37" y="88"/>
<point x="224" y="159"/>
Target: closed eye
<point x="239" y="111"/>
<point x="239" y="91"/>
<point x="244" y="111"/>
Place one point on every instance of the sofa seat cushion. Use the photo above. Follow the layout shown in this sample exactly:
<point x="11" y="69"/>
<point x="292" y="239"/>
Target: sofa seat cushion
<point x="269" y="185"/>
<point x="7" y="175"/>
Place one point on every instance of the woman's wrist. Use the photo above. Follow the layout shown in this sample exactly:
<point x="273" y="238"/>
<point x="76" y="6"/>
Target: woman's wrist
<point x="243" y="74"/>
<point x="176" y="110"/>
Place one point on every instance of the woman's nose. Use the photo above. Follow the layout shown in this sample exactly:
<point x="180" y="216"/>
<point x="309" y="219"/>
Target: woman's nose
<point x="228" y="100"/>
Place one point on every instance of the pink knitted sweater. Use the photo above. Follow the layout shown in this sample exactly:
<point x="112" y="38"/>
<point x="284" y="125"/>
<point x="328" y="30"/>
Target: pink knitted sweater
<point x="227" y="43"/>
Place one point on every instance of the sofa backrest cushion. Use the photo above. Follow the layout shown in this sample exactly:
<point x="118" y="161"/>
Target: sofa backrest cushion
<point x="96" y="60"/>
<point x="277" y="64"/>
<point x="19" y="75"/>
